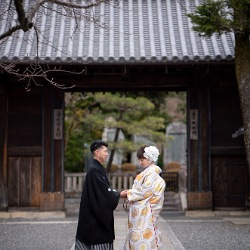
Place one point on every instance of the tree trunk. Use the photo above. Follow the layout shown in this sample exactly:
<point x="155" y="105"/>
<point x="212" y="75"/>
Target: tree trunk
<point x="242" y="64"/>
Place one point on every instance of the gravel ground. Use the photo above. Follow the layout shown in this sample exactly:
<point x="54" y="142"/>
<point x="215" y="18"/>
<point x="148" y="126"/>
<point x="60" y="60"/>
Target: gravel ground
<point x="208" y="233"/>
<point x="39" y="235"/>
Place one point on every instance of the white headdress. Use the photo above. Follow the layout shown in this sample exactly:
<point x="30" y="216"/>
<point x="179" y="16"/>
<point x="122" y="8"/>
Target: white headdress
<point x="151" y="153"/>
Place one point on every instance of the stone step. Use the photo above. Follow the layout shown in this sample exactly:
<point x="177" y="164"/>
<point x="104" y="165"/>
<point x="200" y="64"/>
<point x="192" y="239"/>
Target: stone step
<point x="72" y="205"/>
<point x="172" y="202"/>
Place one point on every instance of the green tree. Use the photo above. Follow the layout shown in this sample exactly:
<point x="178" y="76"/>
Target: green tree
<point x="221" y="16"/>
<point x="130" y="115"/>
<point x="77" y="133"/>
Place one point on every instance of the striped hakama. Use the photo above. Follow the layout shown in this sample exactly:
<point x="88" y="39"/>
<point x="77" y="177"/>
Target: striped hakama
<point x="81" y="246"/>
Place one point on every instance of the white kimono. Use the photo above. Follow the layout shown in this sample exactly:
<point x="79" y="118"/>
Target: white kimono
<point x="146" y="200"/>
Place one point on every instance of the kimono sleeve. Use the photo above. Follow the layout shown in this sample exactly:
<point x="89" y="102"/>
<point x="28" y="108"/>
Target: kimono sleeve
<point x="140" y="189"/>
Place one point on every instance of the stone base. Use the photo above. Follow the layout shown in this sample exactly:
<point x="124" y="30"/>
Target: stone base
<point x="32" y="215"/>
<point x="52" y="201"/>
<point x="199" y="200"/>
<point x="210" y="213"/>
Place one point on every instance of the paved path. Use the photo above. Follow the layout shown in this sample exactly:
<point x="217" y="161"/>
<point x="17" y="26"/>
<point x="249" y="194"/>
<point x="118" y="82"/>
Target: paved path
<point x="169" y="240"/>
<point x="56" y="232"/>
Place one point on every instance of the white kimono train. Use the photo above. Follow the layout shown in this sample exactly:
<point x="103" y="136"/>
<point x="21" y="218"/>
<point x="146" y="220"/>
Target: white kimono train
<point x="146" y="200"/>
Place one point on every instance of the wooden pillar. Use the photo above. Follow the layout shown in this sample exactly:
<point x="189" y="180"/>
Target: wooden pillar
<point x="3" y="129"/>
<point x="52" y="197"/>
<point x="199" y="174"/>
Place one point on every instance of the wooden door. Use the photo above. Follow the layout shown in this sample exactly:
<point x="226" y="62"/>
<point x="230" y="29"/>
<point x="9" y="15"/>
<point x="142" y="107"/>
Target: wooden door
<point x="229" y="182"/>
<point x="24" y="147"/>
<point x="24" y="181"/>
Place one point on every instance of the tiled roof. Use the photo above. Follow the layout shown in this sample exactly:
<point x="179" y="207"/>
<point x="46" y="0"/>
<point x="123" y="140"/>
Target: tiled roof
<point x="137" y="31"/>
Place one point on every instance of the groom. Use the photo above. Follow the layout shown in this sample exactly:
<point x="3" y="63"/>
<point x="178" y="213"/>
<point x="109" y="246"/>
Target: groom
<point x="95" y="228"/>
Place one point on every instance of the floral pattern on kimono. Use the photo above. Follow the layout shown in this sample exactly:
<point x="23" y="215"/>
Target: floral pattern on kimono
<point x="146" y="200"/>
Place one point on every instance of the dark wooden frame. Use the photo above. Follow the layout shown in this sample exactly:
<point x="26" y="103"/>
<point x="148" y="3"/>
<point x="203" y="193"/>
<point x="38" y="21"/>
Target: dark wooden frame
<point x="203" y="83"/>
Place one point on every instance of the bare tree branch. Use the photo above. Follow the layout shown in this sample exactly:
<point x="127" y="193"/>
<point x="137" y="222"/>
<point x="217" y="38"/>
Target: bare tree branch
<point x="23" y="18"/>
<point x="66" y="3"/>
<point x="36" y="71"/>
<point x="10" y="32"/>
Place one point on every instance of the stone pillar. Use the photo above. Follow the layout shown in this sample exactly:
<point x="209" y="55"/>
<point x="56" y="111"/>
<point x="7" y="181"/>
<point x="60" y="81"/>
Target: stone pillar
<point x="108" y="136"/>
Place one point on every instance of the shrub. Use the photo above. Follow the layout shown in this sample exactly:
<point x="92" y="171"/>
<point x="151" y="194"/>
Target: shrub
<point x="128" y="167"/>
<point x="172" y="167"/>
<point x="114" y="168"/>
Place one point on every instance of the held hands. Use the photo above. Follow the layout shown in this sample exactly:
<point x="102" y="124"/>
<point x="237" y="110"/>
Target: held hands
<point x="123" y="194"/>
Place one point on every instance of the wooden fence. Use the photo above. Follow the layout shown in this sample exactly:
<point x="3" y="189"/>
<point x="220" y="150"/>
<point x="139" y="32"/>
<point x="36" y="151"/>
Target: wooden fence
<point x="73" y="182"/>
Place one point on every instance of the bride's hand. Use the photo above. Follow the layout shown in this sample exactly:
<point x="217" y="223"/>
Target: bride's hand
<point x="123" y="194"/>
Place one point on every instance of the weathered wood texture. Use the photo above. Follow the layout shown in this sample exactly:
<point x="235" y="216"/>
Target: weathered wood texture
<point x="24" y="147"/>
<point x="198" y="170"/>
<point x="212" y="91"/>
<point x="51" y="201"/>
<point x="47" y="134"/>
<point x="226" y="115"/>
<point x="58" y="146"/>
<point x="3" y="126"/>
<point x="24" y="181"/>
<point x="228" y="161"/>
<point x="229" y="181"/>
<point x="129" y="77"/>
<point x="24" y="119"/>
<point x="199" y="200"/>
<point x="3" y="164"/>
<point x="53" y="149"/>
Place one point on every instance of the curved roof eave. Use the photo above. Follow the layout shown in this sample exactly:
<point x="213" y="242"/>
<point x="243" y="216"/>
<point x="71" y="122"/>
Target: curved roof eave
<point x="149" y="32"/>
